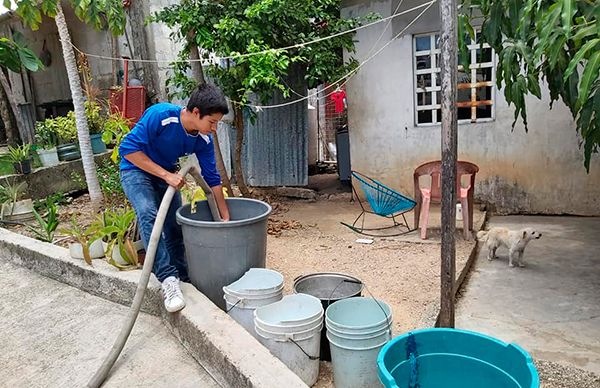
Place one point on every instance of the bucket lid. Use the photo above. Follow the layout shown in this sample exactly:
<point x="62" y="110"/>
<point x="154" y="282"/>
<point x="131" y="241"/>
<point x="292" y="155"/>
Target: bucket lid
<point x="358" y="314"/>
<point x="256" y="281"/>
<point x="292" y="310"/>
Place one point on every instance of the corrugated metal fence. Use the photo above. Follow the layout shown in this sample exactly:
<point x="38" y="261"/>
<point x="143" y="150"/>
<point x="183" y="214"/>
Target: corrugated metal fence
<point x="276" y="145"/>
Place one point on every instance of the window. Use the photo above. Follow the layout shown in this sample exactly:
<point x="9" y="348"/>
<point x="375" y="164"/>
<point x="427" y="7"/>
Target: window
<point x="475" y="95"/>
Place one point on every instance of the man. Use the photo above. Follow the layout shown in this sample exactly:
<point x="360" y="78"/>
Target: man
<point x="149" y="154"/>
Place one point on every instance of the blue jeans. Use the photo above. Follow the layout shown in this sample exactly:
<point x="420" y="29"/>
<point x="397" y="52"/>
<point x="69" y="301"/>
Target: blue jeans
<point x="145" y="192"/>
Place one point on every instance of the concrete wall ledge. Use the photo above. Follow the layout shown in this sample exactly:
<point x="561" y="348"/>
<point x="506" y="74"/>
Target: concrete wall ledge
<point x="217" y="342"/>
<point x="44" y="181"/>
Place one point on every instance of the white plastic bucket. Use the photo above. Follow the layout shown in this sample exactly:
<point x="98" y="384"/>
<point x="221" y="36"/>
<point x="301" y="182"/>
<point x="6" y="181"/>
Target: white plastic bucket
<point x="292" y="310"/>
<point x="357" y="328"/>
<point x="291" y="330"/>
<point x="366" y="342"/>
<point x="258" y="287"/>
<point x="242" y="310"/>
<point x="358" y="315"/>
<point x="48" y="157"/>
<point x="283" y="329"/>
<point x="256" y="281"/>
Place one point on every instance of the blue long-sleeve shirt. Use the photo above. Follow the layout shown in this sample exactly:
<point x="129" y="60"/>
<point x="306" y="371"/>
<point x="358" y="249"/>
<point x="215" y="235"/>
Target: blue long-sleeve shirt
<point x="160" y="135"/>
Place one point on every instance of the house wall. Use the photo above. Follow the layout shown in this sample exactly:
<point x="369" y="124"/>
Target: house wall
<point x="539" y="171"/>
<point x="52" y="84"/>
<point x="162" y="45"/>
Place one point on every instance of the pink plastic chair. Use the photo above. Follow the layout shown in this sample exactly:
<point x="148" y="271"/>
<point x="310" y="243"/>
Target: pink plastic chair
<point x="425" y="196"/>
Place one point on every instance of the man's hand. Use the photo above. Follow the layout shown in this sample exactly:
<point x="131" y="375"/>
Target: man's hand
<point x="175" y="180"/>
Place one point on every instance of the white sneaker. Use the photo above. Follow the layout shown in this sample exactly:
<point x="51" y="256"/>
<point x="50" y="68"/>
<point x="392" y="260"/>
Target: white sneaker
<point x="172" y="294"/>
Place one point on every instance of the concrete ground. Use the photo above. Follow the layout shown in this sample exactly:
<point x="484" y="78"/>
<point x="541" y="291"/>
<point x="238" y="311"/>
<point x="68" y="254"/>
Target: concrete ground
<point x="54" y="335"/>
<point x="551" y="307"/>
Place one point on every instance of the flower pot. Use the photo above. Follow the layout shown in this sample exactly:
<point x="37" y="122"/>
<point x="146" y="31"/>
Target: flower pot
<point x="23" y="167"/>
<point x="96" y="250"/>
<point x="19" y="211"/>
<point x="68" y="151"/>
<point x="48" y="157"/>
<point x="98" y="145"/>
<point x="116" y="254"/>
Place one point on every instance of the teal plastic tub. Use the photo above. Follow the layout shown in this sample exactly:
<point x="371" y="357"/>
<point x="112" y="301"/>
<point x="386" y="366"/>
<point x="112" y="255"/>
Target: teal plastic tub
<point x="453" y="358"/>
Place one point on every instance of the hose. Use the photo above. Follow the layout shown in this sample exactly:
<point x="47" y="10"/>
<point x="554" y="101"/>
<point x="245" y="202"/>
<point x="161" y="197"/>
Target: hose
<point x="119" y="343"/>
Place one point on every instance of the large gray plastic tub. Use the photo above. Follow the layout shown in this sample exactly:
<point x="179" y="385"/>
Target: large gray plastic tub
<point x="219" y="253"/>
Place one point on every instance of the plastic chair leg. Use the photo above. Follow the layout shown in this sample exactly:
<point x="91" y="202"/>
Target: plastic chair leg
<point x="424" y="217"/>
<point x="466" y="216"/>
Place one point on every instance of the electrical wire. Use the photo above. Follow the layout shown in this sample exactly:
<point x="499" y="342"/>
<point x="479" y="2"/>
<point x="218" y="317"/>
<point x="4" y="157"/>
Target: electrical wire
<point x="245" y="55"/>
<point x="346" y="77"/>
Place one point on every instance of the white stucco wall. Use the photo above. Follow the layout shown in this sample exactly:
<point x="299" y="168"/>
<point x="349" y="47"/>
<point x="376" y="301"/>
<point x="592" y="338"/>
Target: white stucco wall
<point x="162" y="45"/>
<point x="536" y="172"/>
<point x="51" y="84"/>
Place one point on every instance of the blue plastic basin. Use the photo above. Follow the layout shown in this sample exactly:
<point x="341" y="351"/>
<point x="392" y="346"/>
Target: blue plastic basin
<point x="452" y="358"/>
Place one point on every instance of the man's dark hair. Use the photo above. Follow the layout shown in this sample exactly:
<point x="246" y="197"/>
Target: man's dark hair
<point x="208" y="99"/>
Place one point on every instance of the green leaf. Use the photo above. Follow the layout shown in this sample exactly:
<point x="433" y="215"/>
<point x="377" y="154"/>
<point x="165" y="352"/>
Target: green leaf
<point x="555" y="50"/>
<point x="29" y="60"/>
<point x="28" y="11"/>
<point x="547" y="28"/>
<point x="50" y="7"/>
<point x="590" y="74"/>
<point x="568" y="12"/>
<point x="585" y="31"/>
<point x="571" y="92"/>
<point x="533" y="85"/>
<point x="491" y="26"/>
<point x="579" y="56"/>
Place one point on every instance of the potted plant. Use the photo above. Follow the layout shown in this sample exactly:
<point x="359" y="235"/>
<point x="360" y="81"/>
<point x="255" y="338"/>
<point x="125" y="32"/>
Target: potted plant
<point x="87" y="243"/>
<point x="46" y="141"/>
<point x="95" y="125"/>
<point x="47" y="224"/>
<point x="20" y="156"/>
<point x="115" y="129"/>
<point x="14" y="208"/>
<point x="66" y="130"/>
<point x="118" y="231"/>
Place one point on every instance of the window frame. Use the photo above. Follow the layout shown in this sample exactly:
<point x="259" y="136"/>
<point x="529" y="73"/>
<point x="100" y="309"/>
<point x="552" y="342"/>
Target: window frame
<point x="434" y="70"/>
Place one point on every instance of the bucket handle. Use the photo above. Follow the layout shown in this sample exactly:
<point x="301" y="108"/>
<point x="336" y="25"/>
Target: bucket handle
<point x="372" y="296"/>
<point x="312" y="358"/>
<point x="236" y="303"/>
<point x="339" y="284"/>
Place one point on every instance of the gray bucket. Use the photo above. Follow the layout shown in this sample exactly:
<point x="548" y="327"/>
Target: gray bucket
<point x="329" y="287"/>
<point x="219" y="253"/>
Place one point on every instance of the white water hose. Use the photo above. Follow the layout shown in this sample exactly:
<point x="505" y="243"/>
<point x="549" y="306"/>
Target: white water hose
<point x="189" y="164"/>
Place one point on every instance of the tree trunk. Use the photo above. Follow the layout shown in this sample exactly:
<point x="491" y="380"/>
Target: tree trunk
<point x="221" y="165"/>
<point x="139" y="41"/>
<point x="239" y="141"/>
<point x="197" y="71"/>
<point x="198" y="74"/>
<point x="83" y="133"/>
<point x="449" y="65"/>
<point x="15" y="108"/>
<point x="12" y="135"/>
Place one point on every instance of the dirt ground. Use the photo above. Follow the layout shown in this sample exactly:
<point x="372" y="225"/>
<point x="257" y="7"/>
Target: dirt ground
<point x="402" y="271"/>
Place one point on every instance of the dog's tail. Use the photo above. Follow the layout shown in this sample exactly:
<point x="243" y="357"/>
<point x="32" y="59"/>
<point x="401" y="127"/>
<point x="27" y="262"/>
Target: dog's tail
<point x="482" y="235"/>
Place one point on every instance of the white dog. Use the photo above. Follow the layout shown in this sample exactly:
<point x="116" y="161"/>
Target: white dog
<point x="514" y="240"/>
